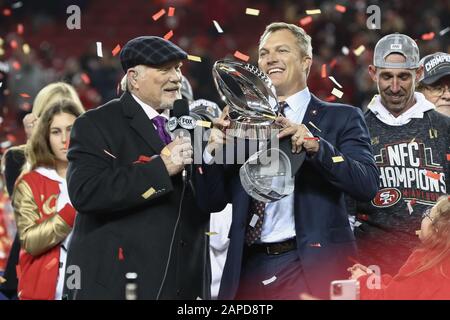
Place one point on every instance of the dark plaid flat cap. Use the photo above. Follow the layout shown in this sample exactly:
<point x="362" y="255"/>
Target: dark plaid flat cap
<point x="149" y="50"/>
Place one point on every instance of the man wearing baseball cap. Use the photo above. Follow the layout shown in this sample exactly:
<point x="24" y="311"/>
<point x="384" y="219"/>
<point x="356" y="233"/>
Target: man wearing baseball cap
<point x="435" y="82"/>
<point x="410" y="141"/>
<point x="136" y="218"/>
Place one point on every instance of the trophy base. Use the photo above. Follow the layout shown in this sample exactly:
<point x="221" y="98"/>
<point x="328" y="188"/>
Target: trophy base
<point x="244" y="129"/>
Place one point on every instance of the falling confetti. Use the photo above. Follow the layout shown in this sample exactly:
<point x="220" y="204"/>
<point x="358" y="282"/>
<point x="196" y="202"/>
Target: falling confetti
<point x="433" y="175"/>
<point x="252" y="12"/>
<point x="311" y="12"/>
<point x="345" y="50"/>
<point x="358" y="51"/>
<point x="333" y="63"/>
<point x="159" y="14"/>
<point x="13" y="44"/>
<point x="410" y="208"/>
<point x="241" y="56"/>
<point x="85" y="78"/>
<point x="334" y="81"/>
<point x="17" y="5"/>
<point x="99" y="49"/>
<point x="340" y="8"/>
<point x="24" y="95"/>
<point x="211" y="233"/>
<point x="314" y="126"/>
<point x="116" y="50"/>
<point x="268" y="281"/>
<point x="428" y="36"/>
<point x="204" y="124"/>
<point x="20" y="29"/>
<point x="305" y="21"/>
<point x="147" y="194"/>
<point x="200" y="170"/>
<point x="323" y="72"/>
<point x="330" y="98"/>
<point x="448" y="156"/>
<point x="444" y="31"/>
<point x="171" y="12"/>
<point x="168" y="35"/>
<point x="6" y="12"/>
<point x="109" y="154"/>
<point x="311" y="138"/>
<point x="26" y="48"/>
<point x="337" y="159"/>
<point x="216" y="24"/>
<point x="194" y="58"/>
<point x="166" y="152"/>
<point x="338" y="93"/>
<point x="254" y="220"/>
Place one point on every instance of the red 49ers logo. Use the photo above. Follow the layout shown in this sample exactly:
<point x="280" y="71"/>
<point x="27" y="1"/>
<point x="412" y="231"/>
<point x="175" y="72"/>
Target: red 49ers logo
<point x="386" y="197"/>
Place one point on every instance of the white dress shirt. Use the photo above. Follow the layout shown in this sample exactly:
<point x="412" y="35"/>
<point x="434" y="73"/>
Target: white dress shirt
<point x="149" y="111"/>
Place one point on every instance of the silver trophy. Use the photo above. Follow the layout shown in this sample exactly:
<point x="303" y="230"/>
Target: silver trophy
<point x="251" y="97"/>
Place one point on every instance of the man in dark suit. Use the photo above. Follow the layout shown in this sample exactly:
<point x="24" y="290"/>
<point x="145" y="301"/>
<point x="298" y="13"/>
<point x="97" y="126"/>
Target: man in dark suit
<point x="124" y="179"/>
<point x="303" y="241"/>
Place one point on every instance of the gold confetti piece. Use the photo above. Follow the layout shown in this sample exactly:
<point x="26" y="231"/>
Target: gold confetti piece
<point x="159" y="14"/>
<point x="204" y="124"/>
<point x="218" y="28"/>
<point x="2" y="280"/>
<point x="168" y="35"/>
<point x="241" y="56"/>
<point x="337" y="159"/>
<point x="268" y="281"/>
<point x="171" y="12"/>
<point x="109" y="154"/>
<point x="99" y="49"/>
<point x="311" y="12"/>
<point x="26" y="48"/>
<point x="194" y="58"/>
<point x="314" y="126"/>
<point x="374" y="140"/>
<point x="252" y="12"/>
<point x="334" y="81"/>
<point x="116" y="50"/>
<point x="211" y="233"/>
<point x="358" y="51"/>
<point x="338" y="93"/>
<point x="417" y="232"/>
<point x="165" y="152"/>
<point x="147" y="194"/>
<point x="269" y="116"/>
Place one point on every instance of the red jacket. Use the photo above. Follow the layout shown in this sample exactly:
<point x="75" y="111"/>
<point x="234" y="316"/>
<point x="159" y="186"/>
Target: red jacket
<point x="432" y="284"/>
<point x="41" y="230"/>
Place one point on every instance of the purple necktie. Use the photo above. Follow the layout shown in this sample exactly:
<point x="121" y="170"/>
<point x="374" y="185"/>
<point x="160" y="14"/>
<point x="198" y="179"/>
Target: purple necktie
<point x="160" y="124"/>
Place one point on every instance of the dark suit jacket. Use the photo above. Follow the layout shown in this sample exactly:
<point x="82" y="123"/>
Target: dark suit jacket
<point x="127" y="211"/>
<point x="325" y="240"/>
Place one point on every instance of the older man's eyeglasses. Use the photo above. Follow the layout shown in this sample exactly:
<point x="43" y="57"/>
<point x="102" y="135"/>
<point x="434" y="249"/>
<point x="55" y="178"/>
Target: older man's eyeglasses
<point x="438" y="90"/>
<point x="427" y="213"/>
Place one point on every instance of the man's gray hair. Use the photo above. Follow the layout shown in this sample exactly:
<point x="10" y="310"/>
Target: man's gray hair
<point x="303" y="39"/>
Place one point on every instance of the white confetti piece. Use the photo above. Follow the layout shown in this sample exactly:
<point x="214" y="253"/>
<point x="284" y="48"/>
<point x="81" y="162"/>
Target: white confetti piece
<point x="254" y="220"/>
<point x="444" y="31"/>
<point x="109" y="154"/>
<point x="336" y="92"/>
<point x="410" y="208"/>
<point x="216" y="24"/>
<point x="357" y="224"/>
<point x="17" y="5"/>
<point x="345" y="50"/>
<point x="252" y="12"/>
<point x="314" y="126"/>
<point x="334" y="81"/>
<point x="1" y="84"/>
<point x="268" y="281"/>
<point x="358" y="51"/>
<point x="311" y="12"/>
<point x="99" y="49"/>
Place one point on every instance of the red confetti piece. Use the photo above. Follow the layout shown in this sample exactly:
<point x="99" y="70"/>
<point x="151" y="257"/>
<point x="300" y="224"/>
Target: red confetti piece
<point x="11" y="137"/>
<point x="433" y="175"/>
<point x="363" y="217"/>
<point x="20" y="29"/>
<point x="116" y="50"/>
<point x="333" y="63"/>
<point x="413" y="202"/>
<point x="13" y="44"/>
<point x="168" y="35"/>
<point x="159" y="14"/>
<point x="428" y="36"/>
<point x="200" y="170"/>
<point x="305" y="21"/>
<point x="121" y="257"/>
<point x="317" y="245"/>
<point x="171" y="12"/>
<point x="448" y="156"/>
<point x="241" y="56"/>
<point x="24" y="95"/>
<point x="6" y="12"/>
<point x="143" y="159"/>
<point x="311" y="138"/>
<point x="85" y="78"/>
<point x="330" y="98"/>
<point x="323" y="72"/>
<point x="340" y="8"/>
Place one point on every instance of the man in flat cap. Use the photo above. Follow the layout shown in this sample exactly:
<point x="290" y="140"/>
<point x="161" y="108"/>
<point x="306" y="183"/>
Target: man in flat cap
<point x="435" y="82"/>
<point x="410" y="141"/>
<point x="124" y="179"/>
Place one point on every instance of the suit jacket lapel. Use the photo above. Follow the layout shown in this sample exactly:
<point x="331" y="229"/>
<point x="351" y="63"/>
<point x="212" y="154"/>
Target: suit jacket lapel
<point x="140" y="122"/>
<point x="313" y="114"/>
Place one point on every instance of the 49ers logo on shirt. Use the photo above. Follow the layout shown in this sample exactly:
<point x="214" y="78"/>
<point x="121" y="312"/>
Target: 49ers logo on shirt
<point x="386" y="197"/>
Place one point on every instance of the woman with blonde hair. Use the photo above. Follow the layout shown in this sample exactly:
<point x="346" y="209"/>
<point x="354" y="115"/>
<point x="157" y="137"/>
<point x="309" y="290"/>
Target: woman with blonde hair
<point x="44" y="214"/>
<point x="426" y="273"/>
<point x="14" y="159"/>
